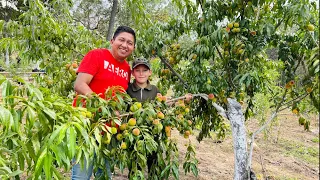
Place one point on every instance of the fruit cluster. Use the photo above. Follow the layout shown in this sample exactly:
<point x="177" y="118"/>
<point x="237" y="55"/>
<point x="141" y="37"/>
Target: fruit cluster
<point x="233" y="27"/>
<point x="72" y="68"/>
<point x="172" y="53"/>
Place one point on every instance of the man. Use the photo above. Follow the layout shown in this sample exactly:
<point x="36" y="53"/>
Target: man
<point x="101" y="69"/>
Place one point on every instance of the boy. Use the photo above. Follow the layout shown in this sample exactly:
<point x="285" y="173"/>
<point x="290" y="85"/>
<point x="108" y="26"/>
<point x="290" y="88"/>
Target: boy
<point x="142" y="91"/>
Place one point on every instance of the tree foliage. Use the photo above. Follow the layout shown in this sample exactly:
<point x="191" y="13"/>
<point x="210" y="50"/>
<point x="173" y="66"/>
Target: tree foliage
<point x="227" y="55"/>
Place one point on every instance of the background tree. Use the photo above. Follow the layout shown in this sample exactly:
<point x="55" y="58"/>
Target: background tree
<point x="112" y="18"/>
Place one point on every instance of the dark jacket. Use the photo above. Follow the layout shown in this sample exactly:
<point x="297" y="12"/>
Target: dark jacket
<point x="142" y="94"/>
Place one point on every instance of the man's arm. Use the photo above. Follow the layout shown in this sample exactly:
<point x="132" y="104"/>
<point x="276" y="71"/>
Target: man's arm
<point x="81" y="85"/>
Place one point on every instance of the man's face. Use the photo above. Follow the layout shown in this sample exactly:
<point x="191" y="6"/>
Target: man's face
<point x="122" y="46"/>
<point x="141" y="73"/>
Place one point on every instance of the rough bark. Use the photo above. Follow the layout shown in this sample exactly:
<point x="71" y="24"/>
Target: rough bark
<point x="112" y="19"/>
<point x="7" y="57"/>
<point x="236" y="118"/>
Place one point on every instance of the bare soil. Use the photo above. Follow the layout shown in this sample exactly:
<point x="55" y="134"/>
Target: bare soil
<point x="280" y="155"/>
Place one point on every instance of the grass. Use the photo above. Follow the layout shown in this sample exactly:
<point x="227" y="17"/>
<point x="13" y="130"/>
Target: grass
<point x="315" y="140"/>
<point x="298" y="150"/>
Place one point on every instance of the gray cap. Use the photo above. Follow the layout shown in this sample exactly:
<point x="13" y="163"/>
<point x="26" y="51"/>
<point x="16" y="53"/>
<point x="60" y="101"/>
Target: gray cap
<point x="140" y="61"/>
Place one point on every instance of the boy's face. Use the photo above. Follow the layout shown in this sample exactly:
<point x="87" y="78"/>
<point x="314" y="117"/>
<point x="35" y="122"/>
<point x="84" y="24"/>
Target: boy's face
<point x="141" y="73"/>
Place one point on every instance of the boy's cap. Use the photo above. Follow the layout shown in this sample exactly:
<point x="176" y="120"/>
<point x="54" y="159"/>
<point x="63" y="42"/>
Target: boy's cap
<point x="140" y="61"/>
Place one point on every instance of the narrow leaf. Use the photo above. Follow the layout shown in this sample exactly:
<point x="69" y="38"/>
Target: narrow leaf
<point x="47" y="165"/>
<point x="72" y="141"/>
<point x="39" y="163"/>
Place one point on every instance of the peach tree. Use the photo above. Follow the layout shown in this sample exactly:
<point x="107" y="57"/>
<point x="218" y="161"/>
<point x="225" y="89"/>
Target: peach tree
<point x="222" y="49"/>
<point x="42" y="133"/>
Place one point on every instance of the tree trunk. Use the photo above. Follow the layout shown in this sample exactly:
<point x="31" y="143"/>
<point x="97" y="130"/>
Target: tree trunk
<point x="236" y="118"/>
<point x="112" y="19"/>
<point x="7" y="57"/>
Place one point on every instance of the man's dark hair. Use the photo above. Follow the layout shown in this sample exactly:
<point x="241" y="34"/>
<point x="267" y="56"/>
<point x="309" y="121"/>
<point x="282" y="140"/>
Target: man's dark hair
<point x="127" y="29"/>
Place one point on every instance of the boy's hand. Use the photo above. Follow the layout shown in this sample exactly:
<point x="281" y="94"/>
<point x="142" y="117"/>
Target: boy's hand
<point x="188" y="97"/>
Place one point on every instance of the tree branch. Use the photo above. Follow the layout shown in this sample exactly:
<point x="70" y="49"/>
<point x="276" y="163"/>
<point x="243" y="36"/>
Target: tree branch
<point x="219" y="52"/>
<point x="80" y="54"/>
<point x="262" y="128"/>
<point x="299" y="98"/>
<point x="220" y="109"/>
<point x="258" y="13"/>
<point x="174" y="72"/>
<point x="279" y="23"/>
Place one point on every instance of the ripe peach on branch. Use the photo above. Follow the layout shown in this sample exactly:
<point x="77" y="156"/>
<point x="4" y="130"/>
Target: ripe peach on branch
<point x="136" y="132"/>
<point x="160" y="115"/>
<point x="289" y="84"/>
<point x="210" y="96"/>
<point x="132" y="122"/>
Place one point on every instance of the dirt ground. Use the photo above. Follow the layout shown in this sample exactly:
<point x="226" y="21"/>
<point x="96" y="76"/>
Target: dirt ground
<point x="273" y="156"/>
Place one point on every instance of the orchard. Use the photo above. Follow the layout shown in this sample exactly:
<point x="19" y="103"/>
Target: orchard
<point x="215" y="56"/>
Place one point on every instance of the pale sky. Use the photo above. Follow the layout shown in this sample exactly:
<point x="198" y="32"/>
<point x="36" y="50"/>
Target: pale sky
<point x="6" y="3"/>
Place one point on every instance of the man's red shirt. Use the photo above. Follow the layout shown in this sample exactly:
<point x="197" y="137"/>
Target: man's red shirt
<point x="106" y="71"/>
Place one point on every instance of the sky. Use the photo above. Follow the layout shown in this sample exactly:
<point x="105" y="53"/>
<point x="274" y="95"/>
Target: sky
<point x="6" y="3"/>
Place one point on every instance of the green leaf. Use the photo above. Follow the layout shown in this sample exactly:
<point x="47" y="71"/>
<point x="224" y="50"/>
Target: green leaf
<point x="6" y="118"/>
<point x="175" y="170"/>
<point x="117" y="121"/>
<point x="17" y="118"/>
<point x="39" y="163"/>
<point x="82" y="131"/>
<point x="194" y="169"/>
<point x="35" y="144"/>
<point x="78" y="157"/>
<point x="186" y="167"/>
<point x="6" y="169"/>
<point x="2" y="22"/>
<point x="97" y="135"/>
<point x="57" y="154"/>
<point x="72" y="141"/>
<point x="2" y="79"/>
<point x="142" y="160"/>
<point x="50" y="113"/>
<point x="15" y="173"/>
<point x="61" y="105"/>
<point x="57" y="174"/>
<point x="31" y="117"/>
<point x="243" y="78"/>
<point x="35" y="91"/>
<point x="62" y="133"/>
<point x="54" y="134"/>
<point x="165" y="171"/>
<point x="47" y="165"/>
<point x="6" y="89"/>
<point x="21" y="158"/>
<point x="30" y="150"/>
